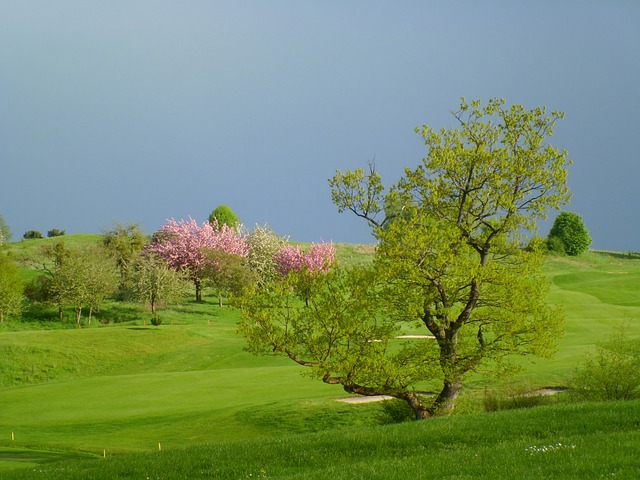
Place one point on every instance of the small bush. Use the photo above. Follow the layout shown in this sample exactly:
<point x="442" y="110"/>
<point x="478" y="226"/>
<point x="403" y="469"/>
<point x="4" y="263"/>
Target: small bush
<point x="612" y="372"/>
<point x="395" y="411"/>
<point x="555" y="245"/>
<point x="54" y="232"/>
<point x="31" y="234"/>
<point x="156" y="320"/>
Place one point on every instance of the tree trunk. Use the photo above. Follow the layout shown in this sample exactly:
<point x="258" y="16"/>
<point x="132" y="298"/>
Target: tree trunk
<point x="446" y="400"/>
<point x="90" y="312"/>
<point x="414" y="401"/>
<point x="1" y="316"/>
<point x="198" y="291"/>
<point x="78" y="315"/>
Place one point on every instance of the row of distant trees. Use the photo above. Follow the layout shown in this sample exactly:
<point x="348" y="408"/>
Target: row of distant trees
<point x="127" y="264"/>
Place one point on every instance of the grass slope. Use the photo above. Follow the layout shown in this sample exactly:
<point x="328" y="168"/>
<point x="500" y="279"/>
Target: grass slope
<point x="560" y="442"/>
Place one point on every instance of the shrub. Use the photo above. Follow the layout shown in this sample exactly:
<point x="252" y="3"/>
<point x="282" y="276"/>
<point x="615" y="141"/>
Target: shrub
<point x="32" y="234"/>
<point x="54" y="232"/>
<point x="555" y="245"/>
<point x="569" y="228"/>
<point x="156" y="320"/>
<point x="395" y="411"/>
<point x="612" y="372"/>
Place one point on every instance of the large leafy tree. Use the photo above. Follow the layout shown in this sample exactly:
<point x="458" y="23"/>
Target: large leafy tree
<point x="450" y="261"/>
<point x="183" y="246"/>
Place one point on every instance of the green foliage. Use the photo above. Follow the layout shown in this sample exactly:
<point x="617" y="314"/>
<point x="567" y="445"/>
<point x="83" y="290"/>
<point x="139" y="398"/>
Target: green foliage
<point x="5" y="232"/>
<point x="361" y="193"/>
<point x="79" y="276"/>
<point x="223" y="215"/>
<point x="612" y="372"/>
<point x="153" y="281"/>
<point x="55" y="232"/>
<point x="450" y="245"/>
<point x="32" y="234"/>
<point x="320" y="321"/>
<point x="124" y="242"/>
<point x="569" y="230"/>
<point x="395" y="411"/>
<point x="156" y="320"/>
<point x="11" y="288"/>
<point x="555" y="245"/>
<point x="227" y="273"/>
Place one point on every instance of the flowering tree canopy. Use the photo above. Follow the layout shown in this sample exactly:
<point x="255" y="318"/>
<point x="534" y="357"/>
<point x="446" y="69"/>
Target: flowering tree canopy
<point x="183" y="245"/>
<point x="318" y="259"/>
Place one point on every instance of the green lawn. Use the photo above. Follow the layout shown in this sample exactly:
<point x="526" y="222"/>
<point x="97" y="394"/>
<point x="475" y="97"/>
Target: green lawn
<point x="580" y="441"/>
<point x="122" y="388"/>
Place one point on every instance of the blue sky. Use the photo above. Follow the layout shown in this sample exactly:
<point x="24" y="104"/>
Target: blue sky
<point x="143" y="110"/>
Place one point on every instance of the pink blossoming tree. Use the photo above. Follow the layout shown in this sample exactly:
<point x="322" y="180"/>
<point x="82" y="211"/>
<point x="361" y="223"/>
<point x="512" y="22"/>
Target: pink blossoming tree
<point x="183" y="245"/>
<point x="318" y="259"/>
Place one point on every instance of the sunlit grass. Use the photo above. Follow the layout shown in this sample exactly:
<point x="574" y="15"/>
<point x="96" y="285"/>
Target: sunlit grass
<point x="125" y="386"/>
<point x="560" y="442"/>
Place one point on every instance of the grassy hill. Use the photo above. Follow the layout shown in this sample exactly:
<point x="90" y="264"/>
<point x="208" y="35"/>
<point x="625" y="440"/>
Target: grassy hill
<point x="121" y="389"/>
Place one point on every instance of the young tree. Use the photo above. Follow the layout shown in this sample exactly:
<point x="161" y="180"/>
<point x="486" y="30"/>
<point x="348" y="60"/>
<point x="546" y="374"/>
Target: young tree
<point x="228" y="273"/>
<point x="80" y="277"/>
<point x="153" y="281"/>
<point x="100" y="276"/>
<point x="223" y="215"/>
<point x="125" y="242"/>
<point x="453" y="262"/>
<point x="570" y="231"/>
<point x="183" y="244"/>
<point x="11" y="288"/>
<point x="264" y="244"/>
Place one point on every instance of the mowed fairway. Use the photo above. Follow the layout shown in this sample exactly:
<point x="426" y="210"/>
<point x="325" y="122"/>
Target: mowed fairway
<point x="600" y="291"/>
<point x="130" y="387"/>
<point x="201" y="387"/>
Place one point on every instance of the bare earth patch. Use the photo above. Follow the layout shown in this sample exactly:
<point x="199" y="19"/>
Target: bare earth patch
<point x="415" y="336"/>
<point x="545" y="391"/>
<point x="379" y="398"/>
<point x="364" y="399"/>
